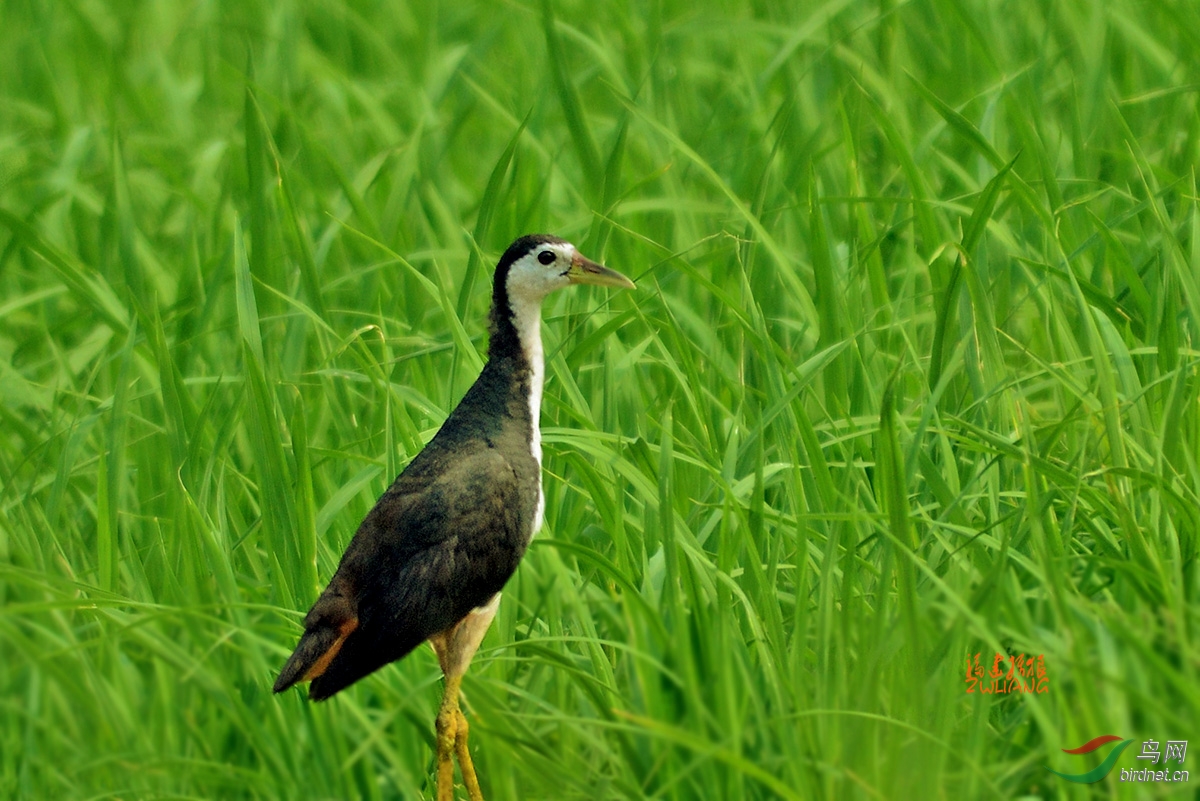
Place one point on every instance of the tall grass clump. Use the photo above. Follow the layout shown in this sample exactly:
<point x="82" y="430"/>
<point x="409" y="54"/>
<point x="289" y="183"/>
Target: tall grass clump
<point x="910" y="376"/>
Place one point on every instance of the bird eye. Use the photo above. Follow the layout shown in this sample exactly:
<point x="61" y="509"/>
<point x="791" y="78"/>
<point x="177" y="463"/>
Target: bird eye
<point x="546" y="257"/>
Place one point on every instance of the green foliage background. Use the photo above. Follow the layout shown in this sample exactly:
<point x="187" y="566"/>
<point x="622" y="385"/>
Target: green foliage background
<point x="910" y="375"/>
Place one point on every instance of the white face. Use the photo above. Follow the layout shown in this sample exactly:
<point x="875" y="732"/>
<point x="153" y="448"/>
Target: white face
<point x="541" y="271"/>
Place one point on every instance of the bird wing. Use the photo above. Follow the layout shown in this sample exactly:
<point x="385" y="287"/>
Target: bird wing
<point x="439" y="543"/>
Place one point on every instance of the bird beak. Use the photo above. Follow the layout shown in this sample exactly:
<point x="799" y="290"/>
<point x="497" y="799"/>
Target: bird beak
<point x="586" y="271"/>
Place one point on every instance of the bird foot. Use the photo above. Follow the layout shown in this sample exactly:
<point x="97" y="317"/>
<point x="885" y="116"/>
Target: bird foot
<point x="452" y="732"/>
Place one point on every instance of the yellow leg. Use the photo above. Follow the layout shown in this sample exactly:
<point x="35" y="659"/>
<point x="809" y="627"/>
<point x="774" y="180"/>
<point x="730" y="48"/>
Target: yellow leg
<point x="464" y="761"/>
<point x="454" y="648"/>
<point x="452" y="732"/>
<point x="447" y="736"/>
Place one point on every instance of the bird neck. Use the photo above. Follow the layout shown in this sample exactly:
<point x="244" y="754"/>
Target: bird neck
<point x="516" y="340"/>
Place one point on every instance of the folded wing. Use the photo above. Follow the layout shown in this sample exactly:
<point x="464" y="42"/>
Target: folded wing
<point x="440" y="542"/>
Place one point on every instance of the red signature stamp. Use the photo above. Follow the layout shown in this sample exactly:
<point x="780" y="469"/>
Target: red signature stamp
<point x="1009" y="674"/>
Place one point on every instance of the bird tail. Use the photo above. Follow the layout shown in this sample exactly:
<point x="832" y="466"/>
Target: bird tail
<point x="317" y="648"/>
<point x="326" y="627"/>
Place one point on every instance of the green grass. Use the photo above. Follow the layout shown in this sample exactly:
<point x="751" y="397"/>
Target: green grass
<point x="911" y="374"/>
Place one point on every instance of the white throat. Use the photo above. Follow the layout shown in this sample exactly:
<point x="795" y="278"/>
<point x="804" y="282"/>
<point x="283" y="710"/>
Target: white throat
<point x="527" y="319"/>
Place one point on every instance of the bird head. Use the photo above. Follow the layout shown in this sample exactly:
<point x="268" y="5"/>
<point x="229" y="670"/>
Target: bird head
<point x="536" y="265"/>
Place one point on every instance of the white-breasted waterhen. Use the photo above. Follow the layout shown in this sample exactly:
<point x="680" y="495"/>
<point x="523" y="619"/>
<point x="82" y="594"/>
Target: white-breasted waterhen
<point x="431" y="557"/>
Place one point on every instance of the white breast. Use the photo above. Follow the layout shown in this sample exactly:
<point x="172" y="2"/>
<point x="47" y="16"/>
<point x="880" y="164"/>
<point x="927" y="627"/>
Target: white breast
<point x="527" y="319"/>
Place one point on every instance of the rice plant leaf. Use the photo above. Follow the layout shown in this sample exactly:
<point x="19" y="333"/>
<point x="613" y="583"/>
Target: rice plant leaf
<point x="972" y="234"/>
